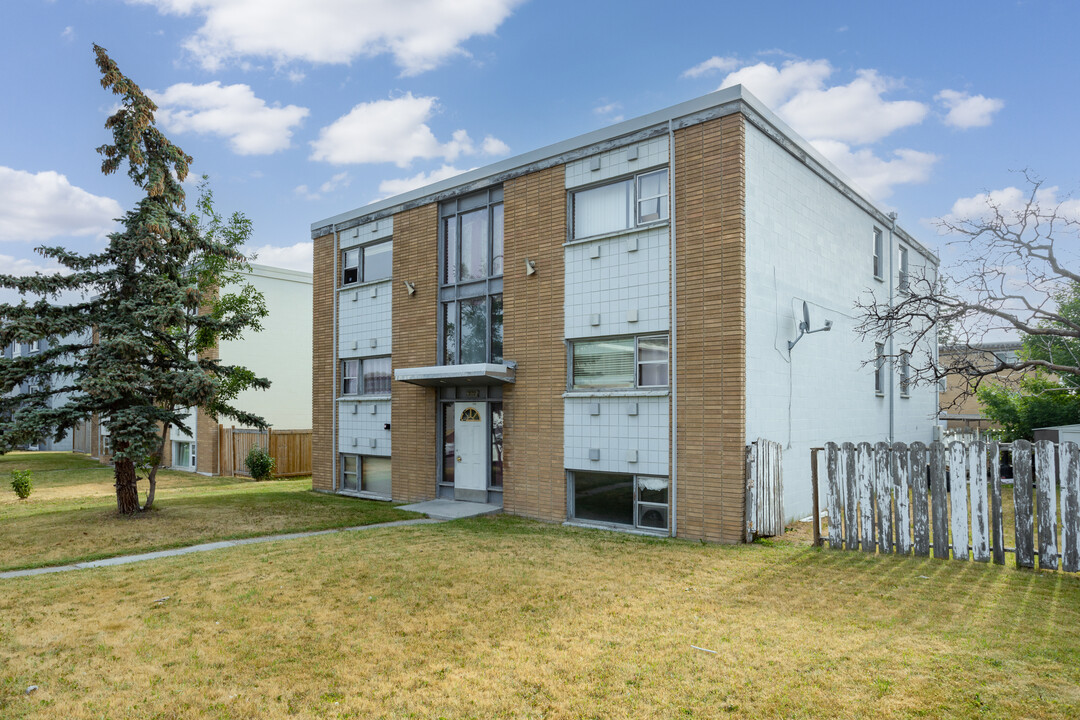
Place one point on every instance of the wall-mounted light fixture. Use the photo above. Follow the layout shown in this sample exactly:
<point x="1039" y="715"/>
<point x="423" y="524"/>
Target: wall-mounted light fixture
<point x="409" y="287"/>
<point x="530" y="267"/>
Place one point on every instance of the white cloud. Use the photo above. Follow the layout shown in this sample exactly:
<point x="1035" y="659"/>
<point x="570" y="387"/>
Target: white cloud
<point x="875" y="175"/>
<point x="968" y="111"/>
<point x="340" y="180"/>
<point x="68" y="34"/>
<point x="494" y="146"/>
<point x="292" y="257"/>
<point x="1011" y="202"/>
<point x="713" y="64"/>
<point x="388" y="188"/>
<point x="296" y="76"/>
<point x="44" y="205"/>
<point x="855" y="112"/>
<point x="610" y="112"/>
<point x="842" y="120"/>
<point x="420" y="34"/>
<point x="230" y="111"/>
<point x="305" y="192"/>
<point x="394" y="131"/>
<point x="25" y="266"/>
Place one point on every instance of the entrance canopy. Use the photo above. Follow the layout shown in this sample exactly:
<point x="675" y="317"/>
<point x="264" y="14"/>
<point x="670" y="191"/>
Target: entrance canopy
<point x="473" y="374"/>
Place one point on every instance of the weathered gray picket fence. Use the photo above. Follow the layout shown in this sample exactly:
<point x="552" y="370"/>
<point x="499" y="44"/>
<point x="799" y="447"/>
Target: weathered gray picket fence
<point x="764" y="489"/>
<point x="903" y="499"/>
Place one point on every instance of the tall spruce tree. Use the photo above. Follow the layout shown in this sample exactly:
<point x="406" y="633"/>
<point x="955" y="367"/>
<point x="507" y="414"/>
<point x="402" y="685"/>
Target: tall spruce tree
<point x="137" y="348"/>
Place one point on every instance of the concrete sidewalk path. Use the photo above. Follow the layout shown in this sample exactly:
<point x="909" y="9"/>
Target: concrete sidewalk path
<point x="205" y="547"/>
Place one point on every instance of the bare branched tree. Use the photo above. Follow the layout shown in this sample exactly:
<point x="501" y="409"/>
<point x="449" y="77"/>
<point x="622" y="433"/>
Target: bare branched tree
<point x="1014" y="273"/>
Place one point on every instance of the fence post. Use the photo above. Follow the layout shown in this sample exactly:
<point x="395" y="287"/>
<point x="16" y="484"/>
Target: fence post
<point x="1046" y="494"/>
<point x="958" y="500"/>
<point x="899" y="461"/>
<point x="920" y="513"/>
<point x="1022" y="504"/>
<point x="997" y="521"/>
<point x="939" y="501"/>
<point x="1070" y="507"/>
<point x="980" y="541"/>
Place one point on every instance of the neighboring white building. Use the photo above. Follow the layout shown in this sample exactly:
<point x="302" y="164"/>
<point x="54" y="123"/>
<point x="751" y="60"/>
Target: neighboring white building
<point x="281" y="352"/>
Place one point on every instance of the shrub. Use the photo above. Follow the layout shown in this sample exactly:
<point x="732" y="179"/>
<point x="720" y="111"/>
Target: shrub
<point x="259" y="463"/>
<point x="22" y="482"/>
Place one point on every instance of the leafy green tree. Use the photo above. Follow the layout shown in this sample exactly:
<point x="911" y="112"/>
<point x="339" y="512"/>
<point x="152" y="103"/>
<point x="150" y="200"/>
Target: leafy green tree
<point x="1038" y="401"/>
<point x="1059" y="347"/>
<point x="137" y="347"/>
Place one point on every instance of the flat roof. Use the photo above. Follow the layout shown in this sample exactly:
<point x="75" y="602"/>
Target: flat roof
<point x="728" y="101"/>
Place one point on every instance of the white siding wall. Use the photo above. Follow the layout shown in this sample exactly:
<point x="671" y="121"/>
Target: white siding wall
<point x="365" y="313"/>
<point x="364" y="319"/>
<point x="617" y="434"/>
<point x="363" y="426"/>
<point x="629" y="276"/>
<point x="618" y="277"/>
<point x="806" y="241"/>
<point x="281" y="352"/>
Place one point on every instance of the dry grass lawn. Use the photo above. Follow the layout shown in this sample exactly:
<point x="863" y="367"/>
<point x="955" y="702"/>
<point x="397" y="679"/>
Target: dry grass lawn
<point x="501" y="617"/>
<point x="71" y="514"/>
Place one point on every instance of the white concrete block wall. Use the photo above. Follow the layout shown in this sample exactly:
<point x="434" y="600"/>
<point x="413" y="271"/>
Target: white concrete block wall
<point x="367" y="423"/>
<point x="615" y="163"/>
<point x="630" y="275"/>
<point x="807" y="241"/>
<point x="615" y="432"/>
<point x="363" y="234"/>
<point x="363" y="318"/>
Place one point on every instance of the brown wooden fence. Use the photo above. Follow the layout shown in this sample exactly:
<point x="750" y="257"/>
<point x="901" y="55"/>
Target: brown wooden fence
<point x="901" y="499"/>
<point x="291" y="450"/>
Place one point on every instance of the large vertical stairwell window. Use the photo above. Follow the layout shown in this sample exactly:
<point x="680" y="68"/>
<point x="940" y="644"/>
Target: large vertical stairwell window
<point x="470" y="274"/>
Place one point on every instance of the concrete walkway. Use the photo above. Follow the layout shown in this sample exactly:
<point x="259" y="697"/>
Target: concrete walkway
<point x="205" y="547"/>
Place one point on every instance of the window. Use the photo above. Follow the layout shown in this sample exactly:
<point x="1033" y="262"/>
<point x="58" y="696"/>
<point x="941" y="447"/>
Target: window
<point x="471" y="268"/>
<point x="633" y="500"/>
<point x="367" y="376"/>
<point x="879" y="368"/>
<point x="905" y="374"/>
<point x="879" y="254"/>
<point x="366" y="474"/>
<point x="368" y="263"/>
<point x="620" y="363"/>
<point x="183" y="456"/>
<point x="473" y="330"/>
<point x="903" y="275"/>
<point x="621" y="205"/>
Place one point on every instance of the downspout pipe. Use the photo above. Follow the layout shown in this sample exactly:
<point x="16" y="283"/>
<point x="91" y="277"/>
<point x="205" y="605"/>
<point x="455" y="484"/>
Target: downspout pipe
<point x="673" y="364"/>
<point x="333" y="371"/>
<point x="892" y="352"/>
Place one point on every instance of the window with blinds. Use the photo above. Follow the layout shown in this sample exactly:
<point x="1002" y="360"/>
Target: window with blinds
<point x="620" y="363"/>
<point x="621" y="205"/>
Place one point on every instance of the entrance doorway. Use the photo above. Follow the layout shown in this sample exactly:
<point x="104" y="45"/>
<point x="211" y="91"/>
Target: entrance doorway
<point x="472" y="451"/>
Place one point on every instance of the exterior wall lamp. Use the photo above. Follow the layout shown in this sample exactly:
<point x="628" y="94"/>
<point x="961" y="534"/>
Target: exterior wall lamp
<point x="409" y="287"/>
<point x="530" y="267"/>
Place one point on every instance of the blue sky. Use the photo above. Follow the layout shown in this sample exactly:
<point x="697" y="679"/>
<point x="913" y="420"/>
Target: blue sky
<point x="299" y="114"/>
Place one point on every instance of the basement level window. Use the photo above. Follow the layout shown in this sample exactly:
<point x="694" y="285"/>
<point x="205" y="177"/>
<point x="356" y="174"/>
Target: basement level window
<point x="639" y="501"/>
<point x="365" y="474"/>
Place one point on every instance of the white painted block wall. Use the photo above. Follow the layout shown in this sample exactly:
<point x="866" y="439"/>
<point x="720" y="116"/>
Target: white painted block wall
<point x="617" y="434"/>
<point x="623" y="281"/>
<point x="807" y="241"/>
<point x="364" y="420"/>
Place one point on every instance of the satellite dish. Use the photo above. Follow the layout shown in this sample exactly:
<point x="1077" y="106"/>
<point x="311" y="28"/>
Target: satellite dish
<point x="804" y="327"/>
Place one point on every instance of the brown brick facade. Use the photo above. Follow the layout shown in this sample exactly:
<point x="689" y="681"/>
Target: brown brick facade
<point x="710" y="191"/>
<point x="534" y="228"/>
<point x="415" y="343"/>
<point x="322" y="363"/>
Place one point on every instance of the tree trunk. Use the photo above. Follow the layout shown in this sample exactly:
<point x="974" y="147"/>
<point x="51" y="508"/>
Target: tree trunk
<point x="152" y="477"/>
<point x="127" y="490"/>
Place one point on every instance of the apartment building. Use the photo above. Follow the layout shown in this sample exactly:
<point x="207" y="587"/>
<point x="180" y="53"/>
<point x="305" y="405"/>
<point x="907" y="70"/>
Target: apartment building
<point x="25" y="349"/>
<point x="281" y="352"/>
<point x="592" y="332"/>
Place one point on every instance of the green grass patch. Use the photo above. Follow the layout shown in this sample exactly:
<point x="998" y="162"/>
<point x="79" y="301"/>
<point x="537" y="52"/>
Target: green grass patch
<point x="71" y="516"/>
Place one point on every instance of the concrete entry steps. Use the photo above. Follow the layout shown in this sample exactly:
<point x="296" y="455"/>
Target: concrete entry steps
<point x="452" y="509"/>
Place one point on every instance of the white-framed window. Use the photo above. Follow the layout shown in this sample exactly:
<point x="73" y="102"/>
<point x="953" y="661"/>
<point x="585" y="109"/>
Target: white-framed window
<point x="365" y="474"/>
<point x="366" y="376"/>
<point x="620" y="205"/>
<point x="638" y="501"/>
<point x="902" y="278"/>
<point x="879" y="254"/>
<point x="368" y="263"/>
<point x="183" y="454"/>
<point x="905" y="374"/>
<point x="614" y="363"/>
<point x="879" y="368"/>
